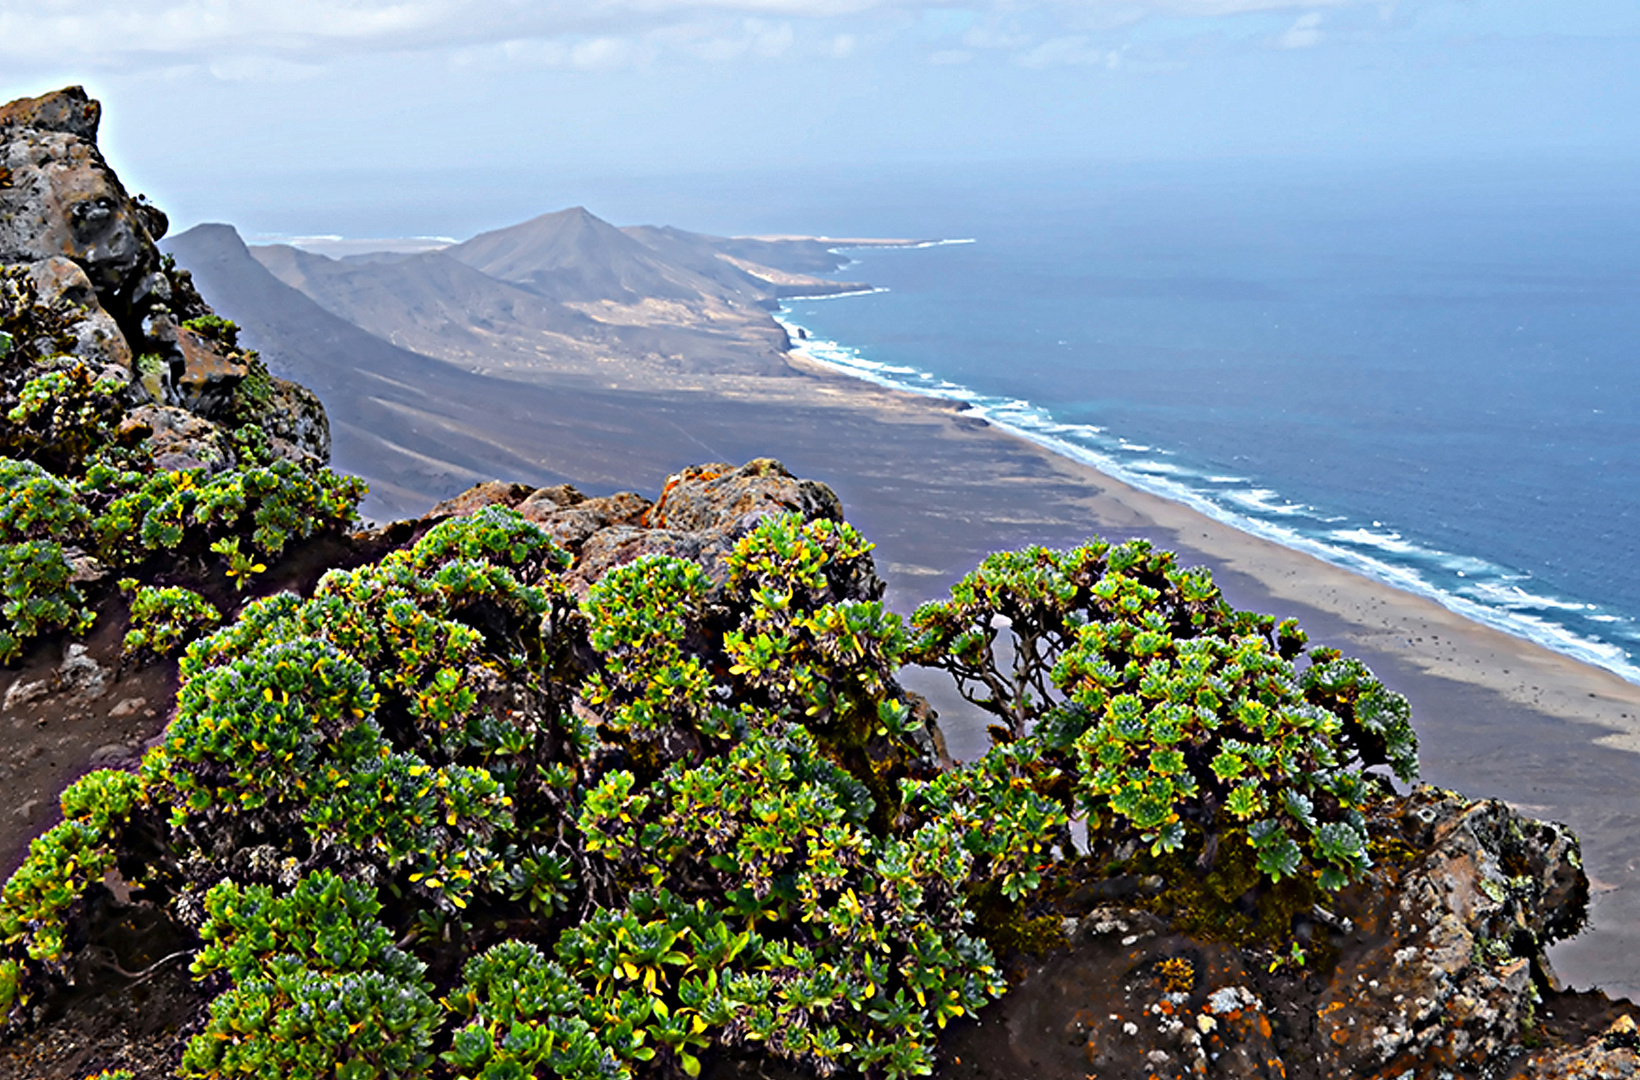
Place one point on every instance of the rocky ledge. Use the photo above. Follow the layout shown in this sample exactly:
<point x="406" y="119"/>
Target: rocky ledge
<point x="77" y="248"/>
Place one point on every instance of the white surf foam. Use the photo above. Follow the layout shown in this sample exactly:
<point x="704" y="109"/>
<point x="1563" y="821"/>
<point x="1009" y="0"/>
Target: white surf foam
<point x="1487" y="595"/>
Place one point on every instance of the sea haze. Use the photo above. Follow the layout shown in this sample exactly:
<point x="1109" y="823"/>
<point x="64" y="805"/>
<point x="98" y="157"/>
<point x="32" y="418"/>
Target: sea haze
<point x="1430" y="375"/>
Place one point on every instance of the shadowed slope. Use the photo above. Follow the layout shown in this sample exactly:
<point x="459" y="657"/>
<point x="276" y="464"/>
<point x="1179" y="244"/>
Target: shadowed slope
<point x="417" y="428"/>
<point x="562" y="294"/>
<point x="573" y="255"/>
<point x="436" y="305"/>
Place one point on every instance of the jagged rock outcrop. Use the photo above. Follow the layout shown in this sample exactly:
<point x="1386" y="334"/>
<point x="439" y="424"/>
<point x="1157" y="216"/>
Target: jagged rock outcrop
<point x="85" y="283"/>
<point x="701" y="513"/>
<point x="1433" y="966"/>
<point x="1447" y="957"/>
<point x="97" y="337"/>
<point x="58" y="198"/>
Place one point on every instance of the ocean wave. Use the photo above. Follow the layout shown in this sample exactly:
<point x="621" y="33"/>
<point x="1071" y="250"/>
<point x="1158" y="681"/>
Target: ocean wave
<point x="1391" y="542"/>
<point x="1505" y="594"/>
<point x="839" y="295"/>
<point x="916" y="246"/>
<point x="1265" y="501"/>
<point x="1472" y="587"/>
<point x="1164" y="468"/>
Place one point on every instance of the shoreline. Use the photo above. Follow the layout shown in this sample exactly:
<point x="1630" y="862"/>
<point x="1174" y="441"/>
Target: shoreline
<point x="1053" y="437"/>
<point x="1393" y="620"/>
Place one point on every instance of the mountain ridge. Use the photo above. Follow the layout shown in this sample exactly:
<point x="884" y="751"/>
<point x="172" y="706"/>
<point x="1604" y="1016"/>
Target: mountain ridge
<point x="567" y="293"/>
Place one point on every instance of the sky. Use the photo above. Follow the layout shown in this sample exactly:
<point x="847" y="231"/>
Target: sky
<point x="242" y="110"/>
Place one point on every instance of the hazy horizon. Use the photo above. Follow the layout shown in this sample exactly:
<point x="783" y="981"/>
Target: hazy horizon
<point x="309" y="118"/>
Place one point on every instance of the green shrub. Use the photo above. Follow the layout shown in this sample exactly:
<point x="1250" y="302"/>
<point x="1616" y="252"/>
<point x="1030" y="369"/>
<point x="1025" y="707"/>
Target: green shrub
<point x="186" y="512"/>
<point x="527" y="1018"/>
<point x="35" y="505"/>
<point x="1012" y="830"/>
<point x="865" y="952"/>
<point x="215" y="328"/>
<point x="40" y="898"/>
<point x="1175" y="712"/>
<point x="814" y="646"/>
<point x="63" y="416"/>
<point x="319" y="990"/>
<point x="652" y="679"/>
<point x="36" y="596"/>
<point x="39" y="513"/>
<point x="164" y="619"/>
<point x="679" y="817"/>
<point x="242" y="568"/>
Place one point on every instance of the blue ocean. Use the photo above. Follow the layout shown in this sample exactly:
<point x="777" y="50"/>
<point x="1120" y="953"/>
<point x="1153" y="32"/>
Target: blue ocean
<point x="1430" y="375"/>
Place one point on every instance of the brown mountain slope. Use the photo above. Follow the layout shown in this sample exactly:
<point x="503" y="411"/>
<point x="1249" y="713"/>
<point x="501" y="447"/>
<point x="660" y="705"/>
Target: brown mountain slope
<point x="564" y="294"/>
<point x="770" y="268"/>
<point x="418" y="429"/>
<point x="572" y="255"/>
<point x="433" y="304"/>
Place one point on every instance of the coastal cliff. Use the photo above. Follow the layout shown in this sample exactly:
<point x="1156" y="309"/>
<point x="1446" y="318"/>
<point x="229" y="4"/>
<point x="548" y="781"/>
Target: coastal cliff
<point x="665" y="742"/>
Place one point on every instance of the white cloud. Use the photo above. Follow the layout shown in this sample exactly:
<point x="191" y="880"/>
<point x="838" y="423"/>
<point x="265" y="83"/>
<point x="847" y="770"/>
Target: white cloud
<point x="770" y="42"/>
<point x="946" y="57"/>
<point x="262" y="69"/>
<point x="995" y="36"/>
<point x="1074" y="50"/>
<point x="602" y="52"/>
<point x="292" y="34"/>
<point x="1303" y="33"/>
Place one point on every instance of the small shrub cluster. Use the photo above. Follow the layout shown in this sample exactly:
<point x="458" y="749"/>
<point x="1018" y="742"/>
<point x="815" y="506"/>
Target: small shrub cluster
<point x="164" y="619"/>
<point x="30" y="330"/>
<point x="1176" y="717"/>
<point x="38" y="512"/>
<point x="128" y="518"/>
<point x="62" y="416"/>
<point x="63" y="865"/>
<point x="319" y="989"/>
<point x="215" y="328"/>
<point x="76" y="483"/>
<point x="185" y="512"/>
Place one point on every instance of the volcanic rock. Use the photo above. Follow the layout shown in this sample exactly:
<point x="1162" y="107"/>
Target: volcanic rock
<point x="98" y="338"/>
<point x="1439" y="967"/>
<point x="209" y="374"/>
<point x="178" y="438"/>
<point x="702" y="513"/>
<point x="61" y="199"/>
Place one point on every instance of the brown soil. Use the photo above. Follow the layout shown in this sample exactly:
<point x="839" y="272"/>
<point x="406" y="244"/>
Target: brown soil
<point x="58" y="726"/>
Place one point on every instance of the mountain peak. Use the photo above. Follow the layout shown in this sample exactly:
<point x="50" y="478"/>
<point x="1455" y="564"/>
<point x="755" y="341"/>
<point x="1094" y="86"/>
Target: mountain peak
<point x="569" y="255"/>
